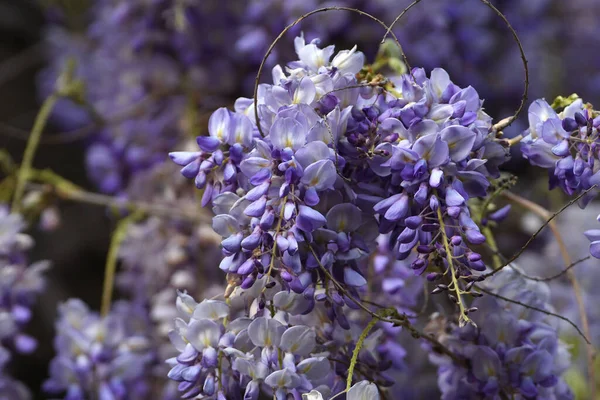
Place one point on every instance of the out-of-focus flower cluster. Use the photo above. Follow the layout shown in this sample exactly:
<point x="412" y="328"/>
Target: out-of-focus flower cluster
<point x="101" y="357"/>
<point x="546" y="262"/>
<point x="146" y="73"/>
<point x="513" y="350"/>
<point x="20" y="285"/>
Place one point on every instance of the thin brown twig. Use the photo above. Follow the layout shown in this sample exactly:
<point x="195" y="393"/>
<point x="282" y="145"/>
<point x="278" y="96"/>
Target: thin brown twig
<point x="540" y="278"/>
<point x="508" y="121"/>
<point x="404" y="322"/>
<point x="290" y="26"/>
<point x="536" y="234"/>
<point x="544" y="213"/>
<point x="528" y="306"/>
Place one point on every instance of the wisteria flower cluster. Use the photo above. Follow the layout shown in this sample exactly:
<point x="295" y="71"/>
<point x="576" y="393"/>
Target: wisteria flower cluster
<point x="332" y="160"/>
<point x="566" y="143"/>
<point x="516" y="351"/>
<point x="101" y="357"/>
<point x="20" y="285"/>
<point x="341" y="162"/>
<point x="345" y="233"/>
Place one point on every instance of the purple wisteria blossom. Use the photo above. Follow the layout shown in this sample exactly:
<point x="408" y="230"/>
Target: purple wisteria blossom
<point x="101" y="357"/>
<point x="9" y="387"/>
<point x="515" y="351"/>
<point x="339" y="163"/>
<point x="21" y="284"/>
<point x="565" y="143"/>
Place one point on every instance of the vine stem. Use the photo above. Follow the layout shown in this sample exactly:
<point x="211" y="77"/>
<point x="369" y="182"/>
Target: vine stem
<point x="111" y="261"/>
<point x="30" y="149"/>
<point x="357" y="348"/>
<point x="546" y="214"/>
<point x="274" y="250"/>
<point x="402" y="321"/>
<point x="491" y="241"/>
<point x="158" y="209"/>
<point x="463" y="318"/>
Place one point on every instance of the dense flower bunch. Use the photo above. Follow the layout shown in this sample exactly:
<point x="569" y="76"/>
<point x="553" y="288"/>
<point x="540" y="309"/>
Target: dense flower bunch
<point x="336" y="155"/>
<point x="159" y="256"/>
<point x="515" y="351"/>
<point x="279" y="354"/>
<point x="566" y="143"/>
<point x="341" y="160"/>
<point x="101" y="357"/>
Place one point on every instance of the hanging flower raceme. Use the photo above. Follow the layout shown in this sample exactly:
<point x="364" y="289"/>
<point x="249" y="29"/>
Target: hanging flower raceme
<point x="515" y="351"/>
<point x="567" y="144"/>
<point x="101" y="357"/>
<point x="20" y="283"/>
<point x="333" y="160"/>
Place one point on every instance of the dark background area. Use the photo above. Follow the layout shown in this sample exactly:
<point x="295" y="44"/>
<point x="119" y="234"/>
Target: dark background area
<point x="76" y="248"/>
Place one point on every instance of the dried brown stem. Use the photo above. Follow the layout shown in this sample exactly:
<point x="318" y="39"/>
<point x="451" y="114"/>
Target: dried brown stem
<point x="154" y="208"/>
<point x="536" y="233"/>
<point x="547" y="215"/>
<point x="404" y="322"/>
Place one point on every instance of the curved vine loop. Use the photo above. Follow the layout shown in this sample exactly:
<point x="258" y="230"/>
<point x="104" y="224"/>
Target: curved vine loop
<point x="296" y="22"/>
<point x="507" y="121"/>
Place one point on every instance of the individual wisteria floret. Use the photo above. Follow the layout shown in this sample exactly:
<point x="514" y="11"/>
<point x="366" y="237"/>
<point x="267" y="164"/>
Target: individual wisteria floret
<point x="515" y="352"/>
<point x="101" y="357"/>
<point x="343" y="158"/>
<point x="594" y="237"/>
<point x="567" y="144"/>
<point x="359" y="391"/>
